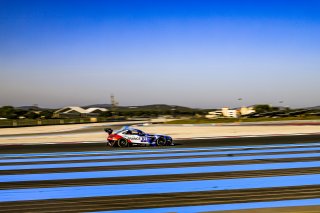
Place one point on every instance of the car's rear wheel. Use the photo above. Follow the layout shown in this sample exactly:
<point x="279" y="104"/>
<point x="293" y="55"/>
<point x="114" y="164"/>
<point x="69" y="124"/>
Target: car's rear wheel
<point x="161" y="141"/>
<point x="122" y="142"/>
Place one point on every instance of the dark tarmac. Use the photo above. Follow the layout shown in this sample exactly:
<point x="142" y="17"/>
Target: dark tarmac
<point x="154" y="200"/>
<point x="99" y="146"/>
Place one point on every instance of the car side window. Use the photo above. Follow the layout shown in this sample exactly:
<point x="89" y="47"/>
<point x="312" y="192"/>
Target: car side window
<point x="128" y="132"/>
<point x="135" y="132"/>
<point x="141" y="133"/>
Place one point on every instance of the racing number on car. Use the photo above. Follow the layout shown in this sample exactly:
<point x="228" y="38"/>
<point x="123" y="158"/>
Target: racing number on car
<point x="144" y="139"/>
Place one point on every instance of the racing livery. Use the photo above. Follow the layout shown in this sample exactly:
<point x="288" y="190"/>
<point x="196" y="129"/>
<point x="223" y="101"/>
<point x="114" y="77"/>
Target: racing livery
<point x="128" y="136"/>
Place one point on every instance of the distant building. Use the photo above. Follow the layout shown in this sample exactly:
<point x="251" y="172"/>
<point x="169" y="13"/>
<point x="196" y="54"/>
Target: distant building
<point x="214" y="114"/>
<point x="230" y="113"/>
<point x="247" y="110"/>
<point x="224" y="112"/>
<point x="96" y="110"/>
<point x="75" y="112"/>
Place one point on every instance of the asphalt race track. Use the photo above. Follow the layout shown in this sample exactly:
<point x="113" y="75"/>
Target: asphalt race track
<point x="271" y="174"/>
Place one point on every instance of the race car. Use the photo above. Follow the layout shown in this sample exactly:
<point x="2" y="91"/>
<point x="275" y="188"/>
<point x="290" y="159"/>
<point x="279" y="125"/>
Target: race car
<point x="128" y="136"/>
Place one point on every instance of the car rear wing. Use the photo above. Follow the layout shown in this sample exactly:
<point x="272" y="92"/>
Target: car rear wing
<point x="108" y="130"/>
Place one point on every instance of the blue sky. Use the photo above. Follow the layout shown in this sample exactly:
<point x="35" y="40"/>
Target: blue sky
<point x="194" y="53"/>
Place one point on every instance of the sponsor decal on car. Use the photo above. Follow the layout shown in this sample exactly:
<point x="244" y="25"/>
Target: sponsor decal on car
<point x="132" y="137"/>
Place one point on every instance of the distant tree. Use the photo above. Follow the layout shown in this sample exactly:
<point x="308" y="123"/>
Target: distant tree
<point x="148" y="113"/>
<point x="8" y="112"/>
<point x="138" y="113"/>
<point x="155" y="113"/>
<point x="128" y="113"/>
<point x="106" y="114"/>
<point x="20" y="112"/>
<point x="32" y="115"/>
<point x="119" y="113"/>
<point x="167" y="112"/>
<point x="46" y="114"/>
<point x="263" y="108"/>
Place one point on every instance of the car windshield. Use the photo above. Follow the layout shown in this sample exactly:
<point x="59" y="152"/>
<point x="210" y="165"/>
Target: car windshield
<point x="134" y="131"/>
<point x="137" y="132"/>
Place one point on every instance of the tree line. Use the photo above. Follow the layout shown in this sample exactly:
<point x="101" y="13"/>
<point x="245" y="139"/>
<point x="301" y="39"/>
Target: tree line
<point x="10" y="112"/>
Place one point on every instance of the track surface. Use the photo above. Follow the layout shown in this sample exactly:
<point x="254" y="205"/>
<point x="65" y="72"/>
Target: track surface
<point x="282" y="173"/>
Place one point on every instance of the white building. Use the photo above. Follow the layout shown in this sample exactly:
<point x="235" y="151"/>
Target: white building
<point x="96" y="110"/>
<point x="214" y="114"/>
<point x="230" y="113"/>
<point x="247" y="110"/>
<point x="224" y="112"/>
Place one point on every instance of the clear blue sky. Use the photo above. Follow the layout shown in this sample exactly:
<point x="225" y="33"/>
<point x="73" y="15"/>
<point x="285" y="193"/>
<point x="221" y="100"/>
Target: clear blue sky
<point x="194" y="53"/>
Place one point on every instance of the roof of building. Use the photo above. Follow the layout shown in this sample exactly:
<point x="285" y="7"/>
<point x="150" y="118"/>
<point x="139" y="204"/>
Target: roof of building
<point x="89" y="110"/>
<point x="71" y="108"/>
<point x="79" y="110"/>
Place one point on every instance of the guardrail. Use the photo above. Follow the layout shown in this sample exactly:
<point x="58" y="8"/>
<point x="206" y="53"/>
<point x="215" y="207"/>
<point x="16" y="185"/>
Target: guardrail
<point x="43" y="122"/>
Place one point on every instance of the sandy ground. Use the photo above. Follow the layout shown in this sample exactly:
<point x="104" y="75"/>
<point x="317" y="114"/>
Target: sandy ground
<point x="220" y="131"/>
<point x="176" y="131"/>
<point x="55" y="128"/>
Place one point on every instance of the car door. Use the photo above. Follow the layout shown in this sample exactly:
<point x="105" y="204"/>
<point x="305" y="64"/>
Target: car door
<point x="143" y="137"/>
<point x="132" y="136"/>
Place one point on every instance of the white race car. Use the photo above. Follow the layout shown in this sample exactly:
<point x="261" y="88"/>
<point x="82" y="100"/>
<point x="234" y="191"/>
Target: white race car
<point x="128" y="136"/>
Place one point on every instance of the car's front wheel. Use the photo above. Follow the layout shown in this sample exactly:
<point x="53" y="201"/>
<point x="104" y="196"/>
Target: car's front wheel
<point x="169" y="142"/>
<point x="122" y="142"/>
<point x="161" y="141"/>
